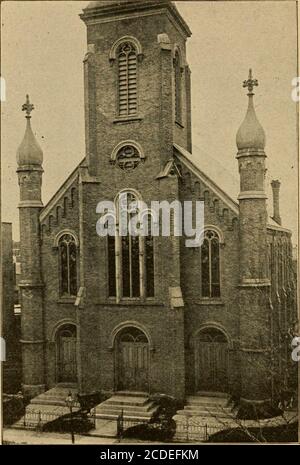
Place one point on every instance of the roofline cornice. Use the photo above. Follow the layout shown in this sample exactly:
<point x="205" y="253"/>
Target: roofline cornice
<point x="127" y="11"/>
<point x="61" y="192"/>
<point x="182" y="155"/>
<point x="279" y="229"/>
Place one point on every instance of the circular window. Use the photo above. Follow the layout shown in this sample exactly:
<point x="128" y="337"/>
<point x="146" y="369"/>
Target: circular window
<point x="128" y="158"/>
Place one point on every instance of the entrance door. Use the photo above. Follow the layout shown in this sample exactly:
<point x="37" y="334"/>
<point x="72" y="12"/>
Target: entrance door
<point x="211" y="361"/>
<point x="66" y="351"/>
<point x="132" y="360"/>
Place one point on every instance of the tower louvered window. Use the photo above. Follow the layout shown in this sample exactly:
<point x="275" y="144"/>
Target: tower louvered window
<point x="127" y="79"/>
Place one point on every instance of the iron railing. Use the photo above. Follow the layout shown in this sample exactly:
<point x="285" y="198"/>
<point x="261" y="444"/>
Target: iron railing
<point x="193" y="431"/>
<point x="188" y="430"/>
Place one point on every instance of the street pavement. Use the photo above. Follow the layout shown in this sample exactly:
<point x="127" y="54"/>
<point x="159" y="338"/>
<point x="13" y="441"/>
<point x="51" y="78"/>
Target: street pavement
<point x="18" y="436"/>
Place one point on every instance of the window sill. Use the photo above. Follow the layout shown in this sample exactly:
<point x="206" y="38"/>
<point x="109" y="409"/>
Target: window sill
<point x="66" y="300"/>
<point x="127" y="119"/>
<point x="209" y="301"/>
<point x="129" y="302"/>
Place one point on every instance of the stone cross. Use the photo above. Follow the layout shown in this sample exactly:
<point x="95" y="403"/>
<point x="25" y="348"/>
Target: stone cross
<point x="28" y="107"/>
<point x="250" y="83"/>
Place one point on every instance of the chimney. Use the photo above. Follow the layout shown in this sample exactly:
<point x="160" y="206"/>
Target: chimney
<point x="276" y="213"/>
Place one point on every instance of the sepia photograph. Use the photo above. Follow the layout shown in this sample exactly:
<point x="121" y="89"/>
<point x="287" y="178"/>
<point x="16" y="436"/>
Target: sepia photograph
<point x="149" y="225"/>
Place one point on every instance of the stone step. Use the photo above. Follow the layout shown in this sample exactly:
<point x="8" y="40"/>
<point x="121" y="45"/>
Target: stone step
<point x="53" y="401"/>
<point x="135" y="408"/>
<point x="133" y="418"/>
<point x="207" y="405"/>
<point x="205" y="402"/>
<point x="208" y="408"/>
<point x="55" y="396"/>
<point x="131" y="393"/>
<point x="143" y="408"/>
<point x="49" y="401"/>
<point x="55" y="393"/>
<point x="52" y="396"/>
<point x="127" y="400"/>
<point x="203" y="413"/>
<point x="211" y="394"/>
<point x="36" y="400"/>
<point x="47" y="407"/>
<point x="70" y="386"/>
<point x="209" y="398"/>
<point x="126" y="414"/>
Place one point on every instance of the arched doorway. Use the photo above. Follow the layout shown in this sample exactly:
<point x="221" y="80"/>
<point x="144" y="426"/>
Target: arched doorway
<point x="132" y="360"/>
<point x="66" y="354"/>
<point x="211" y="361"/>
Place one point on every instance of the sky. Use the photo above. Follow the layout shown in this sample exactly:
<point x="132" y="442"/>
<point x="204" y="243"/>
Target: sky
<point x="43" y="46"/>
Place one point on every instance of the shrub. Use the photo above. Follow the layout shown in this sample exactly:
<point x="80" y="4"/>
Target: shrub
<point x="152" y="431"/>
<point x="89" y="401"/>
<point x="161" y="427"/>
<point x="249" y="411"/>
<point x="78" y="422"/>
<point x="167" y="406"/>
<point x="13" y="408"/>
<point x="282" y="433"/>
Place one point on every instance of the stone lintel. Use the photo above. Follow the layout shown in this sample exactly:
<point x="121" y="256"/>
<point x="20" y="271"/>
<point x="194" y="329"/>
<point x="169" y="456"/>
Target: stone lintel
<point x="255" y="282"/>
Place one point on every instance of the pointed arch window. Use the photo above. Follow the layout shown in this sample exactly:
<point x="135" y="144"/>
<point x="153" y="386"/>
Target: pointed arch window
<point x="67" y="265"/>
<point x="210" y="265"/>
<point x="178" y="91"/>
<point x="131" y="260"/>
<point x="127" y="79"/>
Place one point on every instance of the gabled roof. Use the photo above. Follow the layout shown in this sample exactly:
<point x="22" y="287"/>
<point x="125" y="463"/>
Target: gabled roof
<point x="276" y="227"/>
<point x="61" y="192"/>
<point x="185" y="158"/>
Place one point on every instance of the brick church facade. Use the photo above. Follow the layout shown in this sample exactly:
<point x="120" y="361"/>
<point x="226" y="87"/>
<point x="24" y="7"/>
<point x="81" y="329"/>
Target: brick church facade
<point x="148" y="313"/>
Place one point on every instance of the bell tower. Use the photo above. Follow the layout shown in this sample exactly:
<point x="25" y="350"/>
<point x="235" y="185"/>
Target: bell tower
<point x="29" y="159"/>
<point x="254" y="284"/>
<point x="137" y="83"/>
<point x="137" y="105"/>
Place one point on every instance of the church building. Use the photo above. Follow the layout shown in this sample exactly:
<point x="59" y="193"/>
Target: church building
<point x="148" y="314"/>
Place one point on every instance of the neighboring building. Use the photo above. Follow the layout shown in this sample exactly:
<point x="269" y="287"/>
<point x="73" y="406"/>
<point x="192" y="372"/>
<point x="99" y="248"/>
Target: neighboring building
<point x="12" y="365"/>
<point x="295" y="259"/>
<point x="149" y="314"/>
<point x="17" y="275"/>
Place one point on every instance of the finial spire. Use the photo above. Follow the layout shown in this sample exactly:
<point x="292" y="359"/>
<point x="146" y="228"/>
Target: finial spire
<point x="250" y="83"/>
<point x="250" y="134"/>
<point x="29" y="152"/>
<point x="28" y="107"/>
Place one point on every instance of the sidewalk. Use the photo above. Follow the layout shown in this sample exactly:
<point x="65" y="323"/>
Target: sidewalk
<point x="18" y="436"/>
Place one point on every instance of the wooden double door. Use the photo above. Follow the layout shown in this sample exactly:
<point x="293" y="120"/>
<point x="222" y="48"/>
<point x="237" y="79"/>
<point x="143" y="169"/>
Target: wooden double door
<point x="211" y="361"/>
<point x="66" y="354"/>
<point x="132" y="361"/>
